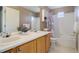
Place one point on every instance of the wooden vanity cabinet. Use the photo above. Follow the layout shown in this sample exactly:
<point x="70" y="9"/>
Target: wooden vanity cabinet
<point x="29" y="47"/>
<point x="39" y="45"/>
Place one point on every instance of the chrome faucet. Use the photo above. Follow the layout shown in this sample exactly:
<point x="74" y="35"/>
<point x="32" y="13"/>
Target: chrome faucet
<point x="4" y="34"/>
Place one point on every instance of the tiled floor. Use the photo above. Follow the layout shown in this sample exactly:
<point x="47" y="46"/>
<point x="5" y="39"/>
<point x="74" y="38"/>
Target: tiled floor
<point x="61" y="49"/>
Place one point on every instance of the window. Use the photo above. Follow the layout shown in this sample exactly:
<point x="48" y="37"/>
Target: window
<point x="60" y="14"/>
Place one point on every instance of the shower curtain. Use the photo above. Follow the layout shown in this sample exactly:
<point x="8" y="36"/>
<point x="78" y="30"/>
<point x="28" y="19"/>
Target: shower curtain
<point x="50" y="22"/>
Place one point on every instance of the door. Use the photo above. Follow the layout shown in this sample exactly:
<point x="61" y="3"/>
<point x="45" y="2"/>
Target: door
<point x="11" y="19"/>
<point x="29" y="47"/>
<point x="41" y="45"/>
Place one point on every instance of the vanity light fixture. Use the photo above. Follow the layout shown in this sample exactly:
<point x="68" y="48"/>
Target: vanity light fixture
<point x="43" y="15"/>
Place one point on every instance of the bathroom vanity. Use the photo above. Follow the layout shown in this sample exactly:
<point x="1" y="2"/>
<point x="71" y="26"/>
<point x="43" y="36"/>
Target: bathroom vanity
<point x="33" y="42"/>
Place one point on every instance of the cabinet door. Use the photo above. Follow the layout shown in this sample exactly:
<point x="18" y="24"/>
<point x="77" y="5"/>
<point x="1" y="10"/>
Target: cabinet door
<point x="41" y="45"/>
<point x="47" y="38"/>
<point x="29" y="47"/>
<point x="13" y="50"/>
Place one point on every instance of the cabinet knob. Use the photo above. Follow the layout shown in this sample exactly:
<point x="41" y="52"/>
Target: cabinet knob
<point x="18" y="49"/>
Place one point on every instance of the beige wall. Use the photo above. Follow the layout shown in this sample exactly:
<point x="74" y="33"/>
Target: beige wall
<point x="23" y="13"/>
<point x="65" y="9"/>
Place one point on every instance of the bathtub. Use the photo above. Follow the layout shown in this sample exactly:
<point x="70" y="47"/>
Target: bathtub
<point x="64" y="41"/>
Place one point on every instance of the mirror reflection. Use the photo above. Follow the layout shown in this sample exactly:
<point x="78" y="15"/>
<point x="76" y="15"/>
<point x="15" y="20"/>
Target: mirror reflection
<point x="19" y="19"/>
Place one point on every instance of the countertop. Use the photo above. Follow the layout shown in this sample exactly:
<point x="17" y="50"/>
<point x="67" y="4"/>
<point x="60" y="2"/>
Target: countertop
<point x="20" y="39"/>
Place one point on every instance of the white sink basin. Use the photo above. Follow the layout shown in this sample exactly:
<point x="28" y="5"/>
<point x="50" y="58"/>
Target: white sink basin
<point x="4" y="41"/>
<point x="16" y="38"/>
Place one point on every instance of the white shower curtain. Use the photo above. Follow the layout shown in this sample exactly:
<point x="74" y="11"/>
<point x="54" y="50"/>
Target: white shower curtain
<point x="50" y="22"/>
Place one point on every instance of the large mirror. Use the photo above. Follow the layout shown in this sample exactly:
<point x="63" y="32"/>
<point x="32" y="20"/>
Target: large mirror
<point x="19" y="16"/>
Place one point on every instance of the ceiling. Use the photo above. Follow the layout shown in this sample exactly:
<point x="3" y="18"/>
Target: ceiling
<point x="54" y="7"/>
<point x="37" y="8"/>
<point x="32" y="8"/>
